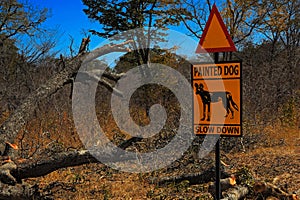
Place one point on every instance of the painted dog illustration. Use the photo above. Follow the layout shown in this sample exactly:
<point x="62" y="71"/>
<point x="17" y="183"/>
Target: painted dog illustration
<point x="213" y="97"/>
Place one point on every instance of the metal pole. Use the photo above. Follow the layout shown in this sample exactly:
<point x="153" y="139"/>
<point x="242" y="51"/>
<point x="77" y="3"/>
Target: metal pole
<point x="217" y="156"/>
<point x="218" y="171"/>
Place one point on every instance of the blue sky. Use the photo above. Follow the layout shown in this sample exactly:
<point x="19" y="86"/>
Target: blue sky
<point x="68" y="18"/>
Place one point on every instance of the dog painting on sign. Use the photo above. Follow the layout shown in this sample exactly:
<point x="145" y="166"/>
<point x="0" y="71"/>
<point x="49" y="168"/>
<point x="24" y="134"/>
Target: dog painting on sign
<point x="212" y="97"/>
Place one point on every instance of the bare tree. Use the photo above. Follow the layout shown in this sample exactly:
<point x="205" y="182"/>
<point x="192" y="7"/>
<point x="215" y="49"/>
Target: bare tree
<point x="197" y="12"/>
<point x="10" y="171"/>
<point x="17" y="18"/>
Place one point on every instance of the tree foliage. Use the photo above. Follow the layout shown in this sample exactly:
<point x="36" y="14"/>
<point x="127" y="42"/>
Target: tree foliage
<point x="118" y="16"/>
<point x="281" y="23"/>
<point x="248" y="21"/>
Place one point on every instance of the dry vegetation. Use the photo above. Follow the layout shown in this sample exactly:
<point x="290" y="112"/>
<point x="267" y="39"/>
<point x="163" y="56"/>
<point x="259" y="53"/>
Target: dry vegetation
<point x="269" y="150"/>
<point x="267" y="153"/>
<point x="267" y="35"/>
<point x="275" y="160"/>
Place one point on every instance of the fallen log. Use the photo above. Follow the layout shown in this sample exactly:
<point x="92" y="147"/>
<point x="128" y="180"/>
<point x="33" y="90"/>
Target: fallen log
<point x="225" y="184"/>
<point x="269" y="189"/>
<point x="236" y="193"/>
<point x="5" y="173"/>
<point x="19" y="192"/>
<point x="193" y="178"/>
<point x="62" y="160"/>
<point x="14" y="171"/>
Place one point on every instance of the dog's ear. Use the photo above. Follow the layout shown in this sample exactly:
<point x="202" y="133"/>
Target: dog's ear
<point x="196" y="85"/>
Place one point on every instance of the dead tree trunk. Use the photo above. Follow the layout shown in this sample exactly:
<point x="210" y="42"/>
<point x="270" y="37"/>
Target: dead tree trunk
<point x="236" y="193"/>
<point x="63" y="160"/>
<point x="13" y="172"/>
<point x="225" y="184"/>
<point x="18" y="192"/>
<point x="10" y="128"/>
<point x="194" y="178"/>
<point x="270" y="190"/>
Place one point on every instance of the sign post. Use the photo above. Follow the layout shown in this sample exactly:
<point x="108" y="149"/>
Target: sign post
<point x="218" y="155"/>
<point x="217" y="88"/>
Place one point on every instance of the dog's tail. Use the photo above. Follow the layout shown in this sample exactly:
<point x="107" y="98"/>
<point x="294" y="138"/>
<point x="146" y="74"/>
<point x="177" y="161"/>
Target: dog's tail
<point x="229" y="97"/>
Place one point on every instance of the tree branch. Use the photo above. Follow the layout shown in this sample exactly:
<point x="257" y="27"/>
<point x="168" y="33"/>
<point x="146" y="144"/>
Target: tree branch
<point x="18" y="192"/>
<point x="236" y="193"/>
<point x="12" y="173"/>
<point x="268" y="189"/>
<point x="90" y="75"/>
<point x="194" y="178"/>
<point x="62" y="160"/>
<point x="10" y="128"/>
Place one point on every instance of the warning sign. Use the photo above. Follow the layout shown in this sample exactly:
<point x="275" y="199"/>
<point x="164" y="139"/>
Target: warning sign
<point x="215" y="37"/>
<point x="217" y="98"/>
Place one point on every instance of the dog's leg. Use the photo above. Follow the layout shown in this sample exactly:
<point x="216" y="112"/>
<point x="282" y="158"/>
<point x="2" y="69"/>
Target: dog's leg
<point x="227" y="109"/>
<point x="231" y="103"/>
<point x="225" y="105"/>
<point x="204" y="108"/>
<point x="227" y="113"/>
<point x="203" y="118"/>
<point x="208" y="112"/>
<point x="231" y="111"/>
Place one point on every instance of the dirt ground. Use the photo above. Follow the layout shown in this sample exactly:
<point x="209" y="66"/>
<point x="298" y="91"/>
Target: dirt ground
<point x="276" y="160"/>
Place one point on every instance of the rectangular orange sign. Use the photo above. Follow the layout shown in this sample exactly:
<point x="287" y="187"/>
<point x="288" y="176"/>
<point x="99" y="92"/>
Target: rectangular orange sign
<point x="217" y="98"/>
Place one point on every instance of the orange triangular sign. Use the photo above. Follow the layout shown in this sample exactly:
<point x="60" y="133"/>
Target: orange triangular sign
<point x="215" y="37"/>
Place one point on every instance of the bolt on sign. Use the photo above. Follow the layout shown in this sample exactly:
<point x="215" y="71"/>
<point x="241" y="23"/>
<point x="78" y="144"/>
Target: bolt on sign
<point x="217" y="91"/>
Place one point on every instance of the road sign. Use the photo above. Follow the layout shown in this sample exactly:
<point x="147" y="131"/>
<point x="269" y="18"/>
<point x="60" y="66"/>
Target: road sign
<point x="215" y="37"/>
<point x="214" y="83"/>
<point x="217" y="89"/>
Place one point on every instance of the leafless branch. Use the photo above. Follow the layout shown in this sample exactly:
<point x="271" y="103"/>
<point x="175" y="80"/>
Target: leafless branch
<point x="10" y="128"/>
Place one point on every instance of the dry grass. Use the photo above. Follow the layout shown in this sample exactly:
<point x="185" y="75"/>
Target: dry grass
<point x="94" y="181"/>
<point x="277" y="159"/>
